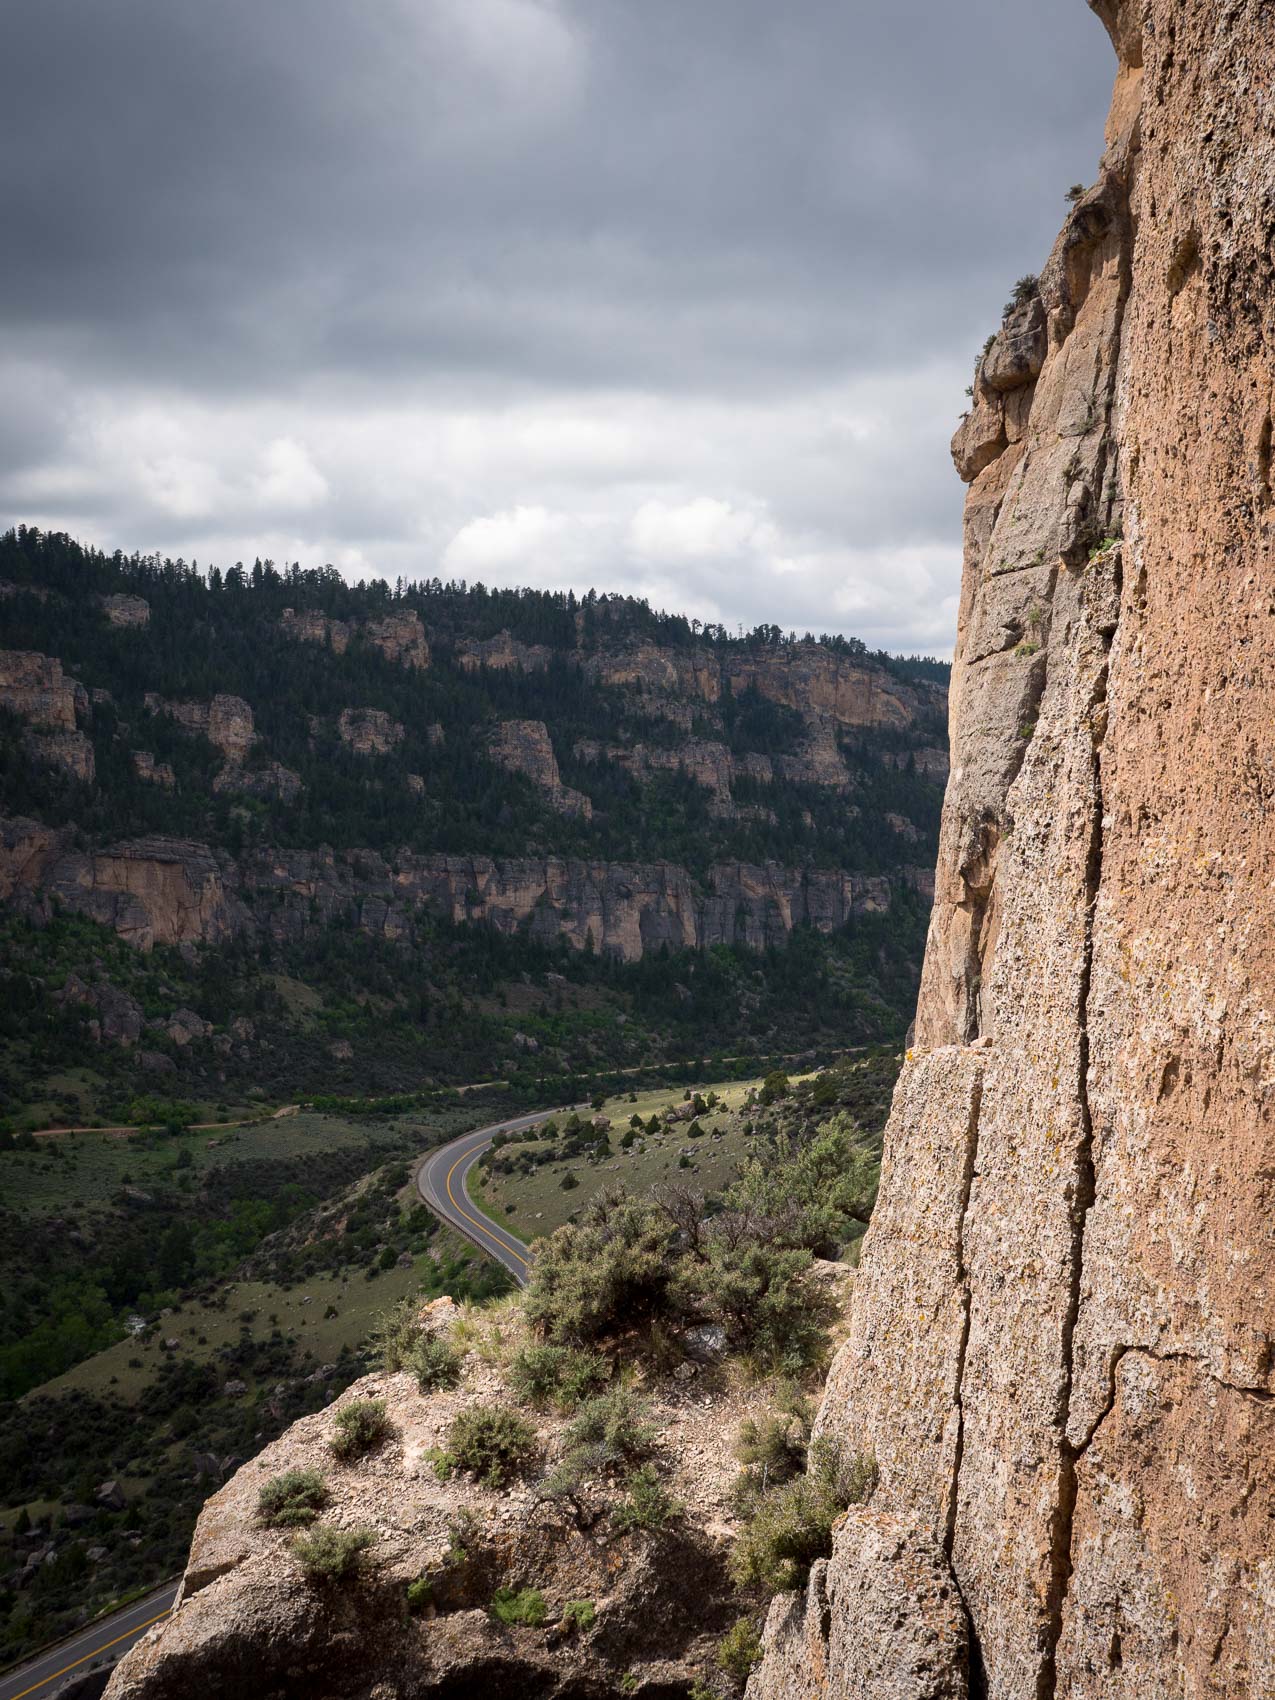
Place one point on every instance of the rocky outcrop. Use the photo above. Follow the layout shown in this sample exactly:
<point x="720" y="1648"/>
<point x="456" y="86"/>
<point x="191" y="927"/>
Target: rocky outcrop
<point x="34" y="687"/>
<point x="152" y="772"/>
<point x="226" y="722"/>
<point x="272" y="779"/>
<point x="816" y="680"/>
<point x="72" y="752"/>
<point x="248" y="1622"/>
<point x="502" y="653"/>
<point x="170" y="891"/>
<point x="1062" y="1344"/>
<point x="707" y="762"/>
<point x="881" y="1618"/>
<point x="149" y="890"/>
<point x="116" y="1018"/>
<point x="524" y="746"/>
<point x="28" y="850"/>
<point x="400" y="637"/>
<point x="310" y="626"/>
<point x="623" y="909"/>
<point x="368" y="731"/>
<point x="127" y="611"/>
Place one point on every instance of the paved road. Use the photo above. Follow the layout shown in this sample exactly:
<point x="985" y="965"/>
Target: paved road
<point x="440" y="1180"/>
<point x="106" y="1640"/>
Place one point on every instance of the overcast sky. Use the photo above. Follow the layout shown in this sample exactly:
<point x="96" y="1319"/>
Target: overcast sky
<point x="677" y="297"/>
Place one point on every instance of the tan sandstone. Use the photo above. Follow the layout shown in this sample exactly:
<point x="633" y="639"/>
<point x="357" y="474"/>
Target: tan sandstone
<point x="1062" y="1344"/>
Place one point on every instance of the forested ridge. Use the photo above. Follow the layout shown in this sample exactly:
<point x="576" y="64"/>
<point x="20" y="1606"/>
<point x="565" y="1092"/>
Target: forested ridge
<point x="222" y="633"/>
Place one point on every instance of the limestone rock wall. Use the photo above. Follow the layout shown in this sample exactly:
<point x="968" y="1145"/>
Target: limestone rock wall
<point x="1062" y="1342"/>
<point x="226" y="722"/>
<point x="524" y="746"/>
<point x="34" y="687"/>
<point x="161" y="890"/>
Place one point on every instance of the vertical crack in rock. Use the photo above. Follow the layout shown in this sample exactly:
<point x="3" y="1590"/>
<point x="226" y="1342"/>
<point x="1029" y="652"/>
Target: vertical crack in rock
<point x="1085" y="1182"/>
<point x="963" y="1280"/>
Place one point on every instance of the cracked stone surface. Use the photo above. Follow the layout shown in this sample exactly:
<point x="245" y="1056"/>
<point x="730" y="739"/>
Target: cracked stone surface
<point x="1062" y="1343"/>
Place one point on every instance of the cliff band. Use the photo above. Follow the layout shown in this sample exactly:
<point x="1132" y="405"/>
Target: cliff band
<point x="1061" y="1342"/>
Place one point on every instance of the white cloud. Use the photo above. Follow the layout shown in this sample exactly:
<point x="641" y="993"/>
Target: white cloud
<point x="289" y="481"/>
<point x="522" y="540"/>
<point x="701" y="529"/>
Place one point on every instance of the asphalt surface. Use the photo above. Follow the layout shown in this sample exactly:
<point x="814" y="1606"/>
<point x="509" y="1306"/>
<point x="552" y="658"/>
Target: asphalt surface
<point x="106" y="1640"/>
<point x="440" y="1180"/>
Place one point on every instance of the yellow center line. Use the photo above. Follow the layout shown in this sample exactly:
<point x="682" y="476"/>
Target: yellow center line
<point x="46" y="1680"/>
<point x="484" y="1227"/>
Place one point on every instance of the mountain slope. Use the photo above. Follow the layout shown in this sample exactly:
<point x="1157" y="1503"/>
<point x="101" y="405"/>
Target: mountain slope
<point x="415" y="803"/>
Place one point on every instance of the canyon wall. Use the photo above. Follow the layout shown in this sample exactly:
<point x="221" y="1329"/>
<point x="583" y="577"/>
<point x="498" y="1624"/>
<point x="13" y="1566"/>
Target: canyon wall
<point x="169" y="891"/>
<point x="1061" y="1343"/>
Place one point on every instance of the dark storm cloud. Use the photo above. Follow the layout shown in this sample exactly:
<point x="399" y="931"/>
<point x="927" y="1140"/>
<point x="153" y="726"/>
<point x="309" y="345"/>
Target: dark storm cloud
<point x="361" y="231"/>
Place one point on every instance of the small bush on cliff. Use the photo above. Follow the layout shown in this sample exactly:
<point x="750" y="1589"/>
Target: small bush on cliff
<point x="772" y="1449"/>
<point x="420" y="1594"/>
<point x="647" y="1505"/>
<point x="791" y="1526"/>
<point x="360" y="1426"/>
<point x="397" y="1334"/>
<point x="493" y="1442"/>
<point x="613" y="1269"/>
<point x="578" y="1615"/>
<point x="739" y="1650"/>
<point x="613" y="1427"/>
<point x="435" y="1363"/>
<point x="557" y="1373"/>
<point x="525" y="1606"/>
<point x="292" y="1500"/>
<point x="327" y="1554"/>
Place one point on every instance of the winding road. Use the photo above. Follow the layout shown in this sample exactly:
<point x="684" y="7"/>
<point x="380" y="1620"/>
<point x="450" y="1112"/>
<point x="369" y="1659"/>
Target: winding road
<point x="102" y="1643"/>
<point x="440" y="1180"/>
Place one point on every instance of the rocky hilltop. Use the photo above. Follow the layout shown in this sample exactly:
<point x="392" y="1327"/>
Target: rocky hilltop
<point x="1061" y="1346"/>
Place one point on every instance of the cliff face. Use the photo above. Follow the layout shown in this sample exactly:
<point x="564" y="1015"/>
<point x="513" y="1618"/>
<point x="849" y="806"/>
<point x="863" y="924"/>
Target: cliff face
<point x="34" y="688"/>
<point x="169" y="891"/>
<point x="1061" y="1341"/>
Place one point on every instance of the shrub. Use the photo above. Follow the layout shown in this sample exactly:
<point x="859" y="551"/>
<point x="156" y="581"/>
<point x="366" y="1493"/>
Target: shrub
<point x="647" y="1505"/>
<point x="328" y="1554"/>
<point x="611" y="1269"/>
<point x="519" y="1606"/>
<point x="397" y="1334"/>
<point x="292" y="1500"/>
<point x="435" y="1363"/>
<point x="568" y="1183"/>
<point x="612" y="1424"/>
<point x="1027" y="286"/>
<point x="812" y="1200"/>
<point x="578" y="1615"/>
<point x="558" y="1373"/>
<point x="760" y="1295"/>
<point x="739" y="1649"/>
<point x="774" y="1449"/>
<point x="493" y="1442"/>
<point x="360" y="1427"/>
<point x="776" y="1085"/>
<point x="419" y="1594"/>
<point x="791" y="1526"/>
